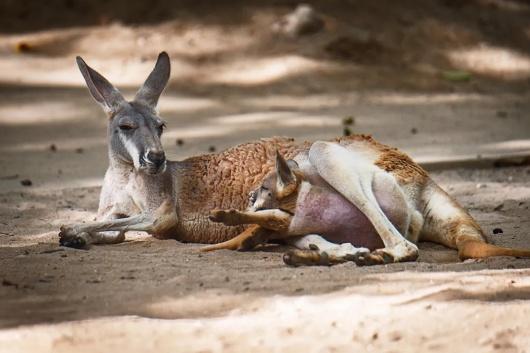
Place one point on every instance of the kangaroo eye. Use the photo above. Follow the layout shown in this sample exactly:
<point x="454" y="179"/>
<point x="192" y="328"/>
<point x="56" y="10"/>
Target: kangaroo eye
<point x="125" y="126"/>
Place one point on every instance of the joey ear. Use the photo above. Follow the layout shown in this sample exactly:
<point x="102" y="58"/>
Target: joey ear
<point x="293" y="165"/>
<point x="155" y="82"/>
<point x="285" y="178"/>
<point x="100" y="88"/>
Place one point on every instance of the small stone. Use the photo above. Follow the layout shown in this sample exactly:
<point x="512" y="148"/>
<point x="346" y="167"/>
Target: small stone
<point x="481" y="186"/>
<point x="26" y="182"/>
<point x="79" y="150"/>
<point x="211" y="149"/>
<point x="179" y="142"/>
<point x="53" y="148"/>
<point x="502" y="114"/>
<point x="346" y="132"/>
<point x="414" y="131"/>
<point x="498" y="231"/>
<point x="302" y="21"/>
<point x="395" y="336"/>
<point x="23" y="47"/>
<point x="8" y="283"/>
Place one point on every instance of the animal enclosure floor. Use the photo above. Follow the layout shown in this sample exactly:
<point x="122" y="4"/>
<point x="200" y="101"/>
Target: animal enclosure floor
<point x="381" y="63"/>
<point x="150" y="293"/>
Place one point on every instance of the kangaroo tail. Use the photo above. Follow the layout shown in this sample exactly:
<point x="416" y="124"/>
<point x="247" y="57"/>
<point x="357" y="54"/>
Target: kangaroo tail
<point x="447" y="223"/>
<point x="472" y="249"/>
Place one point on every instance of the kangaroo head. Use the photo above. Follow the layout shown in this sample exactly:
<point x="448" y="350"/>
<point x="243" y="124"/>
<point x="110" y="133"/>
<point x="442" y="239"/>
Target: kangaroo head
<point x="134" y="126"/>
<point x="280" y="183"/>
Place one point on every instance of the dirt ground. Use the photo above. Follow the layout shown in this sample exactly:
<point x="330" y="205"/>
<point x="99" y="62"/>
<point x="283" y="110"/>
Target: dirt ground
<point x="234" y="80"/>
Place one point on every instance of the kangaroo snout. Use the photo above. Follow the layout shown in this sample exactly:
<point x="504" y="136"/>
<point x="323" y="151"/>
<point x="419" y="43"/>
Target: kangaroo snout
<point x="155" y="157"/>
<point x="154" y="161"/>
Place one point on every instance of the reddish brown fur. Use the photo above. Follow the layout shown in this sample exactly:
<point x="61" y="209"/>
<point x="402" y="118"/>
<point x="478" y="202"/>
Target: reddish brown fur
<point x="223" y="181"/>
<point x="460" y="231"/>
<point x="392" y="160"/>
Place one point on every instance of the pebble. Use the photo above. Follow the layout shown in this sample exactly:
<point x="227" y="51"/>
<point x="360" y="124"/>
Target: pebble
<point x="26" y="182"/>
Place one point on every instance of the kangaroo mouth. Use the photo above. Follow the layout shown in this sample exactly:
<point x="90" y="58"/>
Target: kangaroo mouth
<point x="153" y="168"/>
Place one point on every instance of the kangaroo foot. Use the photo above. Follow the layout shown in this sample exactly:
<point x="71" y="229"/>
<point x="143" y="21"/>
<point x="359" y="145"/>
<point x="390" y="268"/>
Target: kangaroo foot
<point x="401" y="253"/>
<point x="69" y="238"/>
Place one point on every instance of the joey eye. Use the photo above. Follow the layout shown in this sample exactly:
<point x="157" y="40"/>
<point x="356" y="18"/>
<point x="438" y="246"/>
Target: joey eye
<point x="161" y="128"/>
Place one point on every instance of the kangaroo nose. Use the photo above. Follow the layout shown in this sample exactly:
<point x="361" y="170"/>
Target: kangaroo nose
<point x="156" y="157"/>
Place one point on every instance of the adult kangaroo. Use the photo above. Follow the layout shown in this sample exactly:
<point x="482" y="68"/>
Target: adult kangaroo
<point x="142" y="191"/>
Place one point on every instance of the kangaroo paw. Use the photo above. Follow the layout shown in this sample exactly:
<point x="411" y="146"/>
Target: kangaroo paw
<point x="383" y="256"/>
<point x="71" y="239"/>
<point x="227" y="217"/>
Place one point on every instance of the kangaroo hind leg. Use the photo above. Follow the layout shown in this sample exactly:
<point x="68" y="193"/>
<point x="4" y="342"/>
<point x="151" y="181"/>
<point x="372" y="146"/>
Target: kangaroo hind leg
<point x="352" y="175"/>
<point x="312" y="249"/>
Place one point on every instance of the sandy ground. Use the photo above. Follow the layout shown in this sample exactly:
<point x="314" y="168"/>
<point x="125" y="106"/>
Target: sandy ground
<point x="234" y="81"/>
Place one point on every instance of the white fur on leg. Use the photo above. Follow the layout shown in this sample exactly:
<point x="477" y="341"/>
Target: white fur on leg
<point x="317" y="242"/>
<point x="352" y="175"/>
<point x="108" y="237"/>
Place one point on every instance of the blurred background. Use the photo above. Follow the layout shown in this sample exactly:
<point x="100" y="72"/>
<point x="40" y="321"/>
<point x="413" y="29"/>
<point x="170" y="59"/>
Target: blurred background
<point x="442" y="79"/>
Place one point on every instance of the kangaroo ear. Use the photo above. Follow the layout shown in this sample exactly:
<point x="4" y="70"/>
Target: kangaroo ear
<point x="286" y="181"/>
<point x="156" y="82"/>
<point x="102" y="90"/>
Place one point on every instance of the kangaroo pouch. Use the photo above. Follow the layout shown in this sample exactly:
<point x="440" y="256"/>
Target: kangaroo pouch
<point x="322" y="210"/>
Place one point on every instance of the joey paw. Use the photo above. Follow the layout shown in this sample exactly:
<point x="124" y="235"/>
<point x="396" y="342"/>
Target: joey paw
<point x="227" y="217"/>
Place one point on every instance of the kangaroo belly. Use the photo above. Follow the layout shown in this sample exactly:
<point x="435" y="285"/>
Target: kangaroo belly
<point x="322" y="210"/>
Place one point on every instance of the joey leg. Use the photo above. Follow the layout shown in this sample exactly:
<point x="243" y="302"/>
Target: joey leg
<point x="275" y="219"/>
<point x="246" y="240"/>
